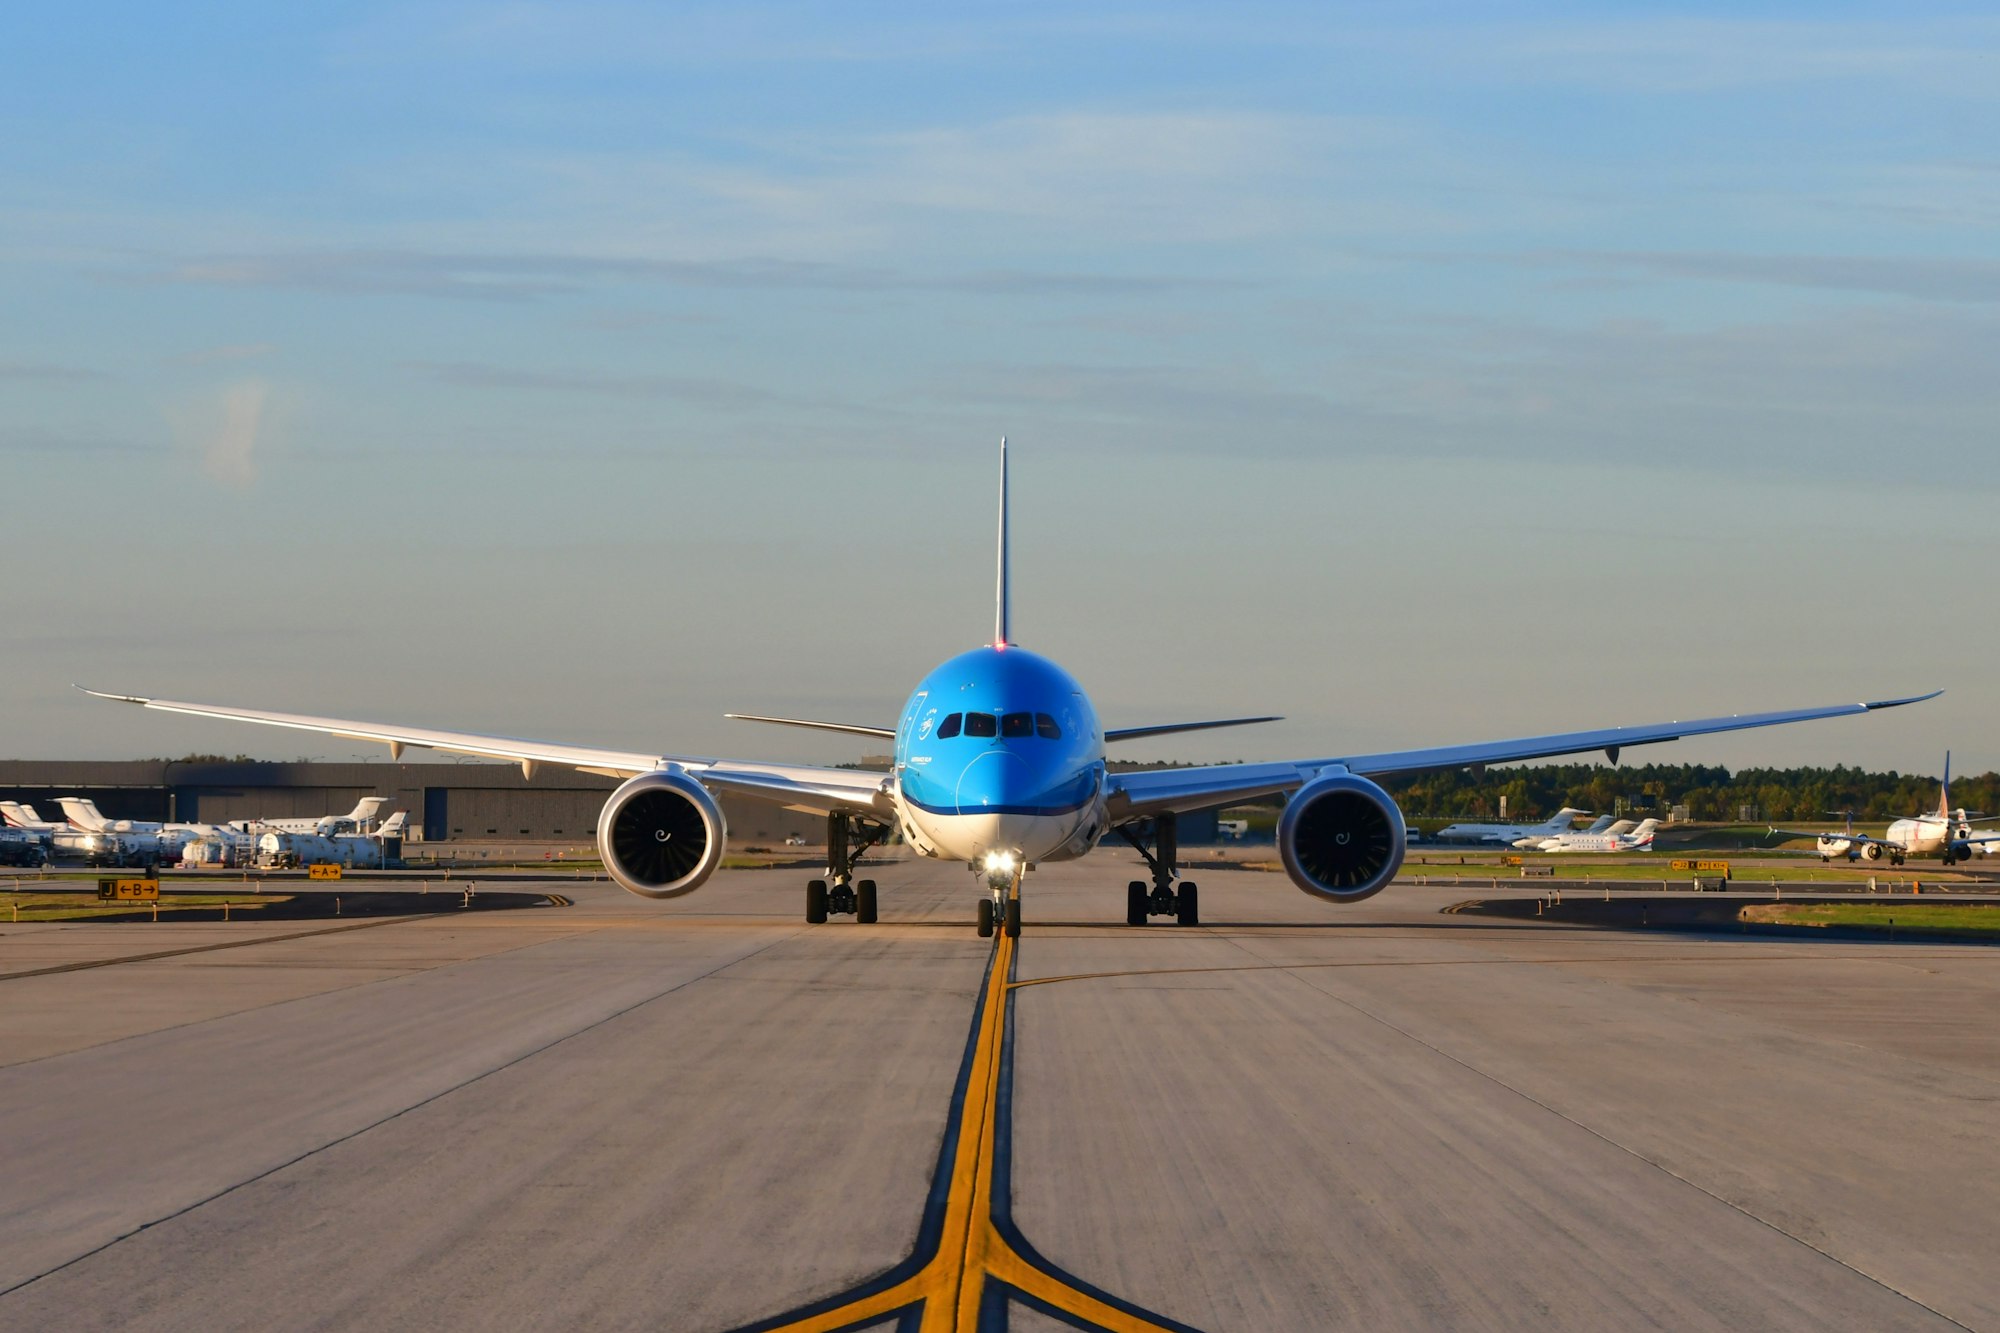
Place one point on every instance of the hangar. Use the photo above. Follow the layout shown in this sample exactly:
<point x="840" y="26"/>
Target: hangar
<point x="469" y="801"/>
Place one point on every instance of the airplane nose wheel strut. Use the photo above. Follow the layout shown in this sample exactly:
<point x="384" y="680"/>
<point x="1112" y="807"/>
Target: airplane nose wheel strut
<point x="840" y="894"/>
<point x="1002" y="905"/>
<point x="1167" y="896"/>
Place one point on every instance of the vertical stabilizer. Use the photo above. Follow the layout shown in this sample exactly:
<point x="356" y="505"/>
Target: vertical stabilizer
<point x="82" y="812"/>
<point x="1944" y="791"/>
<point x="1001" y="628"/>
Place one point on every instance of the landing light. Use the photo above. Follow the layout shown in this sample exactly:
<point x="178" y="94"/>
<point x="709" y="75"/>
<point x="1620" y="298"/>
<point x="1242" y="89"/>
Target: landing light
<point x="1001" y="861"/>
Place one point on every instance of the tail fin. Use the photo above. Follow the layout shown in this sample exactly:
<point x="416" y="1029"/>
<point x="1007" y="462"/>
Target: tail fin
<point x="1944" y="791"/>
<point x="392" y="827"/>
<point x="364" y="809"/>
<point x="1560" y="821"/>
<point x="82" y="812"/>
<point x="1598" y="825"/>
<point x="1001" y="597"/>
<point x="1645" y="829"/>
<point x="12" y="813"/>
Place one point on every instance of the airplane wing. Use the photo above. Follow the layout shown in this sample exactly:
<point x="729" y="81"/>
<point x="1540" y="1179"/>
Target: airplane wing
<point x="1137" y="795"/>
<point x="1857" y="839"/>
<point x="795" y="786"/>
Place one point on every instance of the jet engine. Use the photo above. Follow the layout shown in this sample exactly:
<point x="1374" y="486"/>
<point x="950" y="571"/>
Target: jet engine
<point x="661" y="835"/>
<point x="1341" y="838"/>
<point x="1871" y="851"/>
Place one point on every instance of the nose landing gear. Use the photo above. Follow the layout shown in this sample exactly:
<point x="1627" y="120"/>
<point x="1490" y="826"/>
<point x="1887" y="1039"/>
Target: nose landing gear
<point x="840" y="894"/>
<point x="1002" y="906"/>
<point x="1180" y="899"/>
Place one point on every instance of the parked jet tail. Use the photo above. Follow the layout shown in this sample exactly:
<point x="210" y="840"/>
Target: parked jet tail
<point x="364" y="809"/>
<point x="393" y="826"/>
<point x="83" y="813"/>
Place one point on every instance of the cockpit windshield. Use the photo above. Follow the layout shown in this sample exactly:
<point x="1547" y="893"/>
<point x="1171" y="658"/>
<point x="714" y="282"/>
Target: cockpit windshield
<point x="1011" y="726"/>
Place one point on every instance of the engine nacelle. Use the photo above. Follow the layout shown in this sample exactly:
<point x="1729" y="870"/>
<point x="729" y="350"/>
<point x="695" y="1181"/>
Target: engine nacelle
<point x="661" y="835"/>
<point x="1871" y="851"/>
<point x="1342" y="838"/>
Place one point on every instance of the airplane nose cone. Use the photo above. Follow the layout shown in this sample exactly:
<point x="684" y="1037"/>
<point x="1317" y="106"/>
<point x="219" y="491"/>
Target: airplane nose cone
<point x="993" y="783"/>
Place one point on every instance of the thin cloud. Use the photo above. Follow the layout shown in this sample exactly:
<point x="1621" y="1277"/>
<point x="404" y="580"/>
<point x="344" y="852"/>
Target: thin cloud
<point x="26" y="442"/>
<point x="29" y="372"/>
<point x="227" y="354"/>
<point x="230" y="433"/>
<point x="520" y="277"/>
<point x="1921" y="278"/>
<point x="694" y="390"/>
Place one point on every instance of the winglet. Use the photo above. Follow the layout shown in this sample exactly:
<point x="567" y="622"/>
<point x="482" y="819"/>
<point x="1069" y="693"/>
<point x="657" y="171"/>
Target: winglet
<point x="121" y="698"/>
<point x="1000" y="592"/>
<point x="1898" y="703"/>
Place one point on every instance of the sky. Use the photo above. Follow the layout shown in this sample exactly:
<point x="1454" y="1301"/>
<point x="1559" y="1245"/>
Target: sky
<point x="1423" y="372"/>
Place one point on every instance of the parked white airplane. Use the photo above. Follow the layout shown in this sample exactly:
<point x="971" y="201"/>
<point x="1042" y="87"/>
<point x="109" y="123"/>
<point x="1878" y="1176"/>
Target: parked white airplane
<point x="1948" y="833"/>
<point x="83" y="813"/>
<point x="325" y="826"/>
<point x="1602" y="824"/>
<point x="998" y="763"/>
<point x="1638" y="840"/>
<point x="95" y="847"/>
<point x="1507" y="835"/>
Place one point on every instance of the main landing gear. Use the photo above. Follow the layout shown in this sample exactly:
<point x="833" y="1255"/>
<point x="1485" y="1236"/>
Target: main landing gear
<point x="847" y="840"/>
<point x="1181" y="900"/>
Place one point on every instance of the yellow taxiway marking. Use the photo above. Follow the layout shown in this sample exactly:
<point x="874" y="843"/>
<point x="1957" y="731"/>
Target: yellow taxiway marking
<point x="950" y="1287"/>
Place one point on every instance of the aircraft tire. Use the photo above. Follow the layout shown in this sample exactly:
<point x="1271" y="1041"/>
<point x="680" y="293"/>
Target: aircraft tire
<point x="1135" y="903"/>
<point x="985" y="918"/>
<point x="1013" y="918"/>
<point x="1187" y="906"/>
<point x="864" y="902"/>
<point x="816" y="902"/>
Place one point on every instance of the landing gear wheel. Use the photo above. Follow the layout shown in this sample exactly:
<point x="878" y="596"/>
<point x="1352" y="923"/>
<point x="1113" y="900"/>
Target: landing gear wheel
<point x="1187" y="905"/>
<point x="1135" y="903"/>
<point x="1013" y="918"/>
<point x="864" y="902"/>
<point x="816" y="902"/>
<point x="985" y="918"/>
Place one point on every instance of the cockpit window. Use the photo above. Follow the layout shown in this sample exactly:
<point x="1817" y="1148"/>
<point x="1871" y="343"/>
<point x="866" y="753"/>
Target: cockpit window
<point x="1046" y="728"/>
<point x="1017" y="724"/>
<point x="981" y="724"/>
<point x="948" y="728"/>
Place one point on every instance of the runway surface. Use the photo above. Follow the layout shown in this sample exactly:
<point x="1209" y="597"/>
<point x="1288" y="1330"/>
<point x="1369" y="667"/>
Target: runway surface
<point x="708" y="1115"/>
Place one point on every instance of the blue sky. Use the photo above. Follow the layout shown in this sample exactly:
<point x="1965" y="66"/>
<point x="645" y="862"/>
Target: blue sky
<point x="1422" y="372"/>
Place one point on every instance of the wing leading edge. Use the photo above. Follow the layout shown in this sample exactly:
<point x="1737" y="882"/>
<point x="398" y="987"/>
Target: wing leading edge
<point x="796" y="786"/>
<point x="1137" y="795"/>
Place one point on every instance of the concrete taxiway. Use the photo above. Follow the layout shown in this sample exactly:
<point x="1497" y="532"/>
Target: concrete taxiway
<point x="708" y="1115"/>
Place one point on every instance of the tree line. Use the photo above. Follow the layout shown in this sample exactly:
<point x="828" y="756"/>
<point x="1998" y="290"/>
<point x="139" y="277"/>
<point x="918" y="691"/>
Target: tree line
<point x="1710" y="792"/>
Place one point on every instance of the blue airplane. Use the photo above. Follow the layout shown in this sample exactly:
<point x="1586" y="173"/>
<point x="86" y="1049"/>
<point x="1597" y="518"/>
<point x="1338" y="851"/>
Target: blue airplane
<point x="999" y="764"/>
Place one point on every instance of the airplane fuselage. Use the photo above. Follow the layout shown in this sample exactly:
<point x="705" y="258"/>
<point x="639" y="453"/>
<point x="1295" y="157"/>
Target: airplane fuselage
<point x="1000" y="751"/>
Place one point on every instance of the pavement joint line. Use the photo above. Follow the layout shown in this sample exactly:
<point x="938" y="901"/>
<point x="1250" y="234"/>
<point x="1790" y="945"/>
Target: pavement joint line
<point x="1438" y="962"/>
<point x="158" y="954"/>
<point x="395" y="1115"/>
<point x="1631" y="1152"/>
<point x="969" y="1259"/>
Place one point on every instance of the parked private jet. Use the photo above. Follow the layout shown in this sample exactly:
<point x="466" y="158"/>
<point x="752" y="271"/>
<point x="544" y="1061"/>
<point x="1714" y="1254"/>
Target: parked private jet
<point x="1947" y="832"/>
<point x="1637" y="840"/>
<point x="1508" y="835"/>
<point x="998" y="762"/>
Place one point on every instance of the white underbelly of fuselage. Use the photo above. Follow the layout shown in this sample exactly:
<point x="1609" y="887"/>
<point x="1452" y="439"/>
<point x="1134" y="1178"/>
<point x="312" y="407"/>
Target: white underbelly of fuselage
<point x="969" y="837"/>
